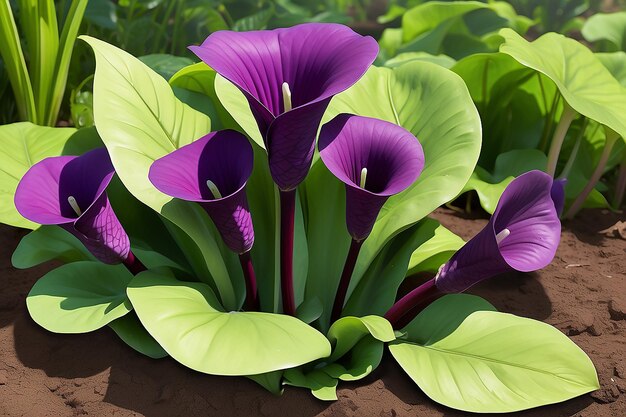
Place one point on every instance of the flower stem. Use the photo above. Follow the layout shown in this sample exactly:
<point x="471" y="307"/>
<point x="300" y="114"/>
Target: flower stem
<point x="621" y="183"/>
<point x="346" y="275"/>
<point x="133" y="264"/>
<point x="572" y="157"/>
<point x="559" y="135"/>
<point x="287" y="217"/>
<point x="405" y="309"/>
<point x="611" y="138"/>
<point x="252" y="299"/>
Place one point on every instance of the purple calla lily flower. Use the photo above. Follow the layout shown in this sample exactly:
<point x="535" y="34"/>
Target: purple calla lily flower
<point x="288" y="77"/>
<point x="375" y="160"/>
<point x="523" y="235"/>
<point x="69" y="191"/>
<point x="213" y="171"/>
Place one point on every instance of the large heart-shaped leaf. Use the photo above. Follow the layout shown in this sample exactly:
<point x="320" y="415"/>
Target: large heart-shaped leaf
<point x="48" y="243"/>
<point x="140" y="120"/>
<point x="615" y="62"/>
<point x="23" y="145"/>
<point x="610" y="27"/>
<point x="130" y="330"/>
<point x="434" y="104"/>
<point x="496" y="362"/>
<point x="79" y="297"/>
<point x="586" y="85"/>
<point x="188" y="322"/>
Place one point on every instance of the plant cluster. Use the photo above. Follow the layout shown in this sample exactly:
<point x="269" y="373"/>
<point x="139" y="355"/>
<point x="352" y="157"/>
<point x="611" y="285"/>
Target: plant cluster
<point x="255" y="213"/>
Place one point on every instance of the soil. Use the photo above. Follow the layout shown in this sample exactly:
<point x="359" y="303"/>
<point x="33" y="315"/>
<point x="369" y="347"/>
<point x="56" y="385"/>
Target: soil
<point x="583" y="293"/>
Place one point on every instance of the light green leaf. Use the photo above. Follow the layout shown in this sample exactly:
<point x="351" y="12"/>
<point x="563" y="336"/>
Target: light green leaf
<point x="130" y="330"/>
<point x="434" y="104"/>
<point x="607" y="26"/>
<point x="79" y="297"/>
<point x="347" y="331"/>
<point x="322" y="386"/>
<point x="187" y="320"/>
<point x="164" y="64"/>
<point x="364" y="357"/>
<point x="435" y="251"/>
<point x="47" y="243"/>
<point x="586" y="85"/>
<point x="615" y="62"/>
<point x="23" y="145"/>
<point x="271" y="381"/>
<point x="140" y="120"/>
<point x="496" y="362"/>
<point x="441" y="60"/>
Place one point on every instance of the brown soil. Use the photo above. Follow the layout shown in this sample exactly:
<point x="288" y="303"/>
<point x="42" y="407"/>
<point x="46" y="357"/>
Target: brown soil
<point x="583" y="293"/>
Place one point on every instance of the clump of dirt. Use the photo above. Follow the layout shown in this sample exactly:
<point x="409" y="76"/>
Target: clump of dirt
<point x="582" y="293"/>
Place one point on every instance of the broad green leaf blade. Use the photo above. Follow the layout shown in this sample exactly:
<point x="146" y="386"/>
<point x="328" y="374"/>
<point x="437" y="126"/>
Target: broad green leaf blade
<point x="47" y="243"/>
<point x="186" y="319"/>
<point x="607" y="26"/>
<point x="130" y="330"/>
<point x="441" y="60"/>
<point x="23" y="145"/>
<point x="442" y="317"/>
<point x="346" y="332"/>
<point x="271" y="381"/>
<point x="140" y="120"/>
<point x="615" y="62"/>
<point x="435" y="251"/>
<point x="322" y="386"/>
<point x="79" y="297"/>
<point x="364" y="357"/>
<point x="165" y="65"/>
<point x="434" y="104"/>
<point x="586" y="85"/>
<point x="496" y="362"/>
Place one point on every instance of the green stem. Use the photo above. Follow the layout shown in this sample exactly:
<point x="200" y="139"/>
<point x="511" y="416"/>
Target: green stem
<point x="559" y="135"/>
<point x="611" y="138"/>
<point x="621" y="183"/>
<point x="574" y="153"/>
<point x="547" y="127"/>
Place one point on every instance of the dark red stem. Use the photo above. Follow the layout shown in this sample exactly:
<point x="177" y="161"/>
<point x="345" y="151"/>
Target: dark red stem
<point x="406" y="308"/>
<point x="133" y="264"/>
<point x="287" y="216"/>
<point x="346" y="275"/>
<point x="252" y="299"/>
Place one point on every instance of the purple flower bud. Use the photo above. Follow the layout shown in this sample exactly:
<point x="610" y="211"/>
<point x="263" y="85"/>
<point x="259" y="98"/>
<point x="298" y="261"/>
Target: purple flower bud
<point x="213" y="171"/>
<point x="523" y="234"/>
<point x="288" y="77"/>
<point x="374" y="159"/>
<point x="69" y="191"/>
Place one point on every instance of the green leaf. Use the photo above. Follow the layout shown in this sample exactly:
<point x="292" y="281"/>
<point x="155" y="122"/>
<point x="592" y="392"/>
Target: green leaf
<point x="607" y="26"/>
<point x="364" y="357"/>
<point x="586" y="85"/>
<point x="47" y="243"/>
<point x="615" y="62"/>
<point x="130" y="330"/>
<point x="322" y="386"/>
<point x="271" y="381"/>
<point x="140" y="120"/>
<point x="496" y="362"/>
<point x="187" y="320"/>
<point x="434" y="104"/>
<point x="442" y="60"/>
<point x="23" y="145"/>
<point x="442" y="317"/>
<point x="165" y="65"/>
<point x="79" y="297"/>
<point x="433" y="253"/>
<point x="347" y="331"/>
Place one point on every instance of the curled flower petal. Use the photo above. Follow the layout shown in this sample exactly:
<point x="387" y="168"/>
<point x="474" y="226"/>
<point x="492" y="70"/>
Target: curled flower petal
<point x="527" y="225"/>
<point x="392" y="157"/>
<point x="224" y="158"/>
<point x="315" y="60"/>
<point x="44" y="192"/>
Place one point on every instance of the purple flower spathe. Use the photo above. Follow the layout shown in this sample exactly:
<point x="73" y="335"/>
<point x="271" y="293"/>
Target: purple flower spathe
<point x="316" y="60"/>
<point x="43" y="195"/>
<point x="392" y="156"/>
<point x="527" y="226"/>
<point x="225" y="158"/>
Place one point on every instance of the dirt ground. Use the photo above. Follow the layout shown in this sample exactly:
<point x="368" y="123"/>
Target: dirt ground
<point x="583" y="293"/>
